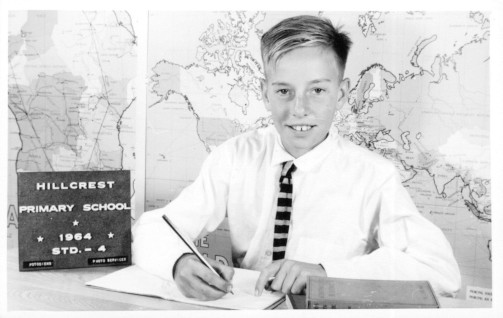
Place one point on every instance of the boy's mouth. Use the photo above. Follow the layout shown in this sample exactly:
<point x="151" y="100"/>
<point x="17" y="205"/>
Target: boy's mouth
<point x="301" y="127"/>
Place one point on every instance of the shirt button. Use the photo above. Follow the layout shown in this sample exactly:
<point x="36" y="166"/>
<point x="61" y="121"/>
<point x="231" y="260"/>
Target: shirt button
<point x="268" y="253"/>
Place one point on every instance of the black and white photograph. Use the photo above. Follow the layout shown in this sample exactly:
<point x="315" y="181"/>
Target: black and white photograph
<point x="216" y="159"/>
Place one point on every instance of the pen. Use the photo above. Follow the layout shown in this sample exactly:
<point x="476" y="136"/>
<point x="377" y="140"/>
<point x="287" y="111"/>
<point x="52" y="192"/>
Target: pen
<point x="193" y="249"/>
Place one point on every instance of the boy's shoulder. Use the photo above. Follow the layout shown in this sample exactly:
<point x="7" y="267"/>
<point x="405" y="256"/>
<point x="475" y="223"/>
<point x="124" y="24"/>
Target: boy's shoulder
<point x="254" y="139"/>
<point x="254" y="145"/>
<point x="362" y="156"/>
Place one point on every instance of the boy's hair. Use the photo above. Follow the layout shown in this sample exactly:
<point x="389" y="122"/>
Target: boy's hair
<point x="304" y="31"/>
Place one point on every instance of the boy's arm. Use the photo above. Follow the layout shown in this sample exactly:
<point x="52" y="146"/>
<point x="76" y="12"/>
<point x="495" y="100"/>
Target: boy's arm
<point x="199" y="209"/>
<point x="410" y="246"/>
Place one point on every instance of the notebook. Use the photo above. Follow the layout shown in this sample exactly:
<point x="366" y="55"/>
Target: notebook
<point x="134" y="280"/>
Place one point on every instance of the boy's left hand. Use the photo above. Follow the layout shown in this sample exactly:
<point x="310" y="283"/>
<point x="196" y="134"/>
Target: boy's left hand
<point x="289" y="276"/>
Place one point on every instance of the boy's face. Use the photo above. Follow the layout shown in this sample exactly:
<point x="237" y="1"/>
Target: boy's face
<point x="302" y="92"/>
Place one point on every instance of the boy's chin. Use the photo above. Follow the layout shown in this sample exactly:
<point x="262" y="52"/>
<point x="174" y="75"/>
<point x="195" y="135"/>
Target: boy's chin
<point x="298" y="149"/>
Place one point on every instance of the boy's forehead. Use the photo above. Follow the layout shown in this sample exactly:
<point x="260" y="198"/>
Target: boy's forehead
<point x="317" y="53"/>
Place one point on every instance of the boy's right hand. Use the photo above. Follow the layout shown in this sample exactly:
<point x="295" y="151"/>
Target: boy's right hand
<point x="195" y="280"/>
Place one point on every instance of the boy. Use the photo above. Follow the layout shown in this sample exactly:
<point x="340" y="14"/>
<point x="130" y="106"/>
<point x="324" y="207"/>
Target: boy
<point x="299" y="200"/>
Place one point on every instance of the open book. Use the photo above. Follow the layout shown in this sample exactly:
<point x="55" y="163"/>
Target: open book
<point x="134" y="280"/>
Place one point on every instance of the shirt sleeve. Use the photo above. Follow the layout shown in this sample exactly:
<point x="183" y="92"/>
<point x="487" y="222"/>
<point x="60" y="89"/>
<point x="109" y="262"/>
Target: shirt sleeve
<point x="199" y="209"/>
<point x="410" y="246"/>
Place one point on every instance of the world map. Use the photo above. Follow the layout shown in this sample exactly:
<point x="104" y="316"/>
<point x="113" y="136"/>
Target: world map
<point x="419" y="97"/>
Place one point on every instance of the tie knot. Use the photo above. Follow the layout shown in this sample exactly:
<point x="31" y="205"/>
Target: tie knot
<point x="288" y="169"/>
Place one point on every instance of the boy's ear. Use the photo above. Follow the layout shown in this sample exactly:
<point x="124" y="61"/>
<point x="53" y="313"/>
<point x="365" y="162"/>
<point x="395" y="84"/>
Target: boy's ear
<point x="263" y="87"/>
<point x="343" y="94"/>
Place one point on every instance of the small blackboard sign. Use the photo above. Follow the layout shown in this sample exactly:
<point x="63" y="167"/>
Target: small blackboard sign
<point x="74" y="219"/>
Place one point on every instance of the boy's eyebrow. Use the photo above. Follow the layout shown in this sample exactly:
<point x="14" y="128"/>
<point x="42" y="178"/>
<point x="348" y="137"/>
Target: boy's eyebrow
<point x="310" y="82"/>
<point x="320" y="80"/>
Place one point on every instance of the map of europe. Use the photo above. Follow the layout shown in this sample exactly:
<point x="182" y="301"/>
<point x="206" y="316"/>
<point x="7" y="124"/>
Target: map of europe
<point x="419" y="97"/>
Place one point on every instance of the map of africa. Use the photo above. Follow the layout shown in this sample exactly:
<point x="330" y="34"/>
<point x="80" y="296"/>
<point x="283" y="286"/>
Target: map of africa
<point x="419" y="97"/>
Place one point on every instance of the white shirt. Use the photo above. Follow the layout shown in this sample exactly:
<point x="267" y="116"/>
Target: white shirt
<point x="350" y="213"/>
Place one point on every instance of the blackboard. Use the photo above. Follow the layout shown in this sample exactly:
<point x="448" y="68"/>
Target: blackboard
<point x="74" y="219"/>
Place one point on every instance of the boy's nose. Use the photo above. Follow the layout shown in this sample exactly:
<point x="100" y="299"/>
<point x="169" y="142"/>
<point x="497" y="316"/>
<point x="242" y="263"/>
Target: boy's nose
<point x="300" y="106"/>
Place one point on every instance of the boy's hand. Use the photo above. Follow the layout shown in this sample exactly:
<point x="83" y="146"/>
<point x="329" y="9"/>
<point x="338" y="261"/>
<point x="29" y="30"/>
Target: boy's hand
<point x="289" y="276"/>
<point x="195" y="280"/>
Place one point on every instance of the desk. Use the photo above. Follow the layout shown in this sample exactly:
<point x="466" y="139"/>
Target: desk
<point x="64" y="289"/>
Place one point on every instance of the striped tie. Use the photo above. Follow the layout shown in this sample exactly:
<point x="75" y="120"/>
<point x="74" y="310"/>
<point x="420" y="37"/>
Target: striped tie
<point x="282" y="223"/>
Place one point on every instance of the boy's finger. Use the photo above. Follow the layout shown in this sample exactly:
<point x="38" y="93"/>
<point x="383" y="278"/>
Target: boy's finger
<point x="265" y="274"/>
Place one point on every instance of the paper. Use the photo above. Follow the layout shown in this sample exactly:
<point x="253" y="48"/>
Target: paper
<point x="134" y="280"/>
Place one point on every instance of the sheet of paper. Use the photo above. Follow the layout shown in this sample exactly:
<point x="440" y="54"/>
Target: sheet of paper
<point x="134" y="280"/>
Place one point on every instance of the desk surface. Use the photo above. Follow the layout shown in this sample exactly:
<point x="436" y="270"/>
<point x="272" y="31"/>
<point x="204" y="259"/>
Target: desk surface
<point x="64" y="289"/>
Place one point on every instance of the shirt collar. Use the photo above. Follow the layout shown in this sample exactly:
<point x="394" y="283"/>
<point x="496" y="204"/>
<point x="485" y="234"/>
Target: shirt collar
<point x="309" y="160"/>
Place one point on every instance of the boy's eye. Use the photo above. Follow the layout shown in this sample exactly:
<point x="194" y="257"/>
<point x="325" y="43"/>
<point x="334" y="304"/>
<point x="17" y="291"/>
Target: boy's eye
<point x="282" y="91"/>
<point x="318" y="90"/>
